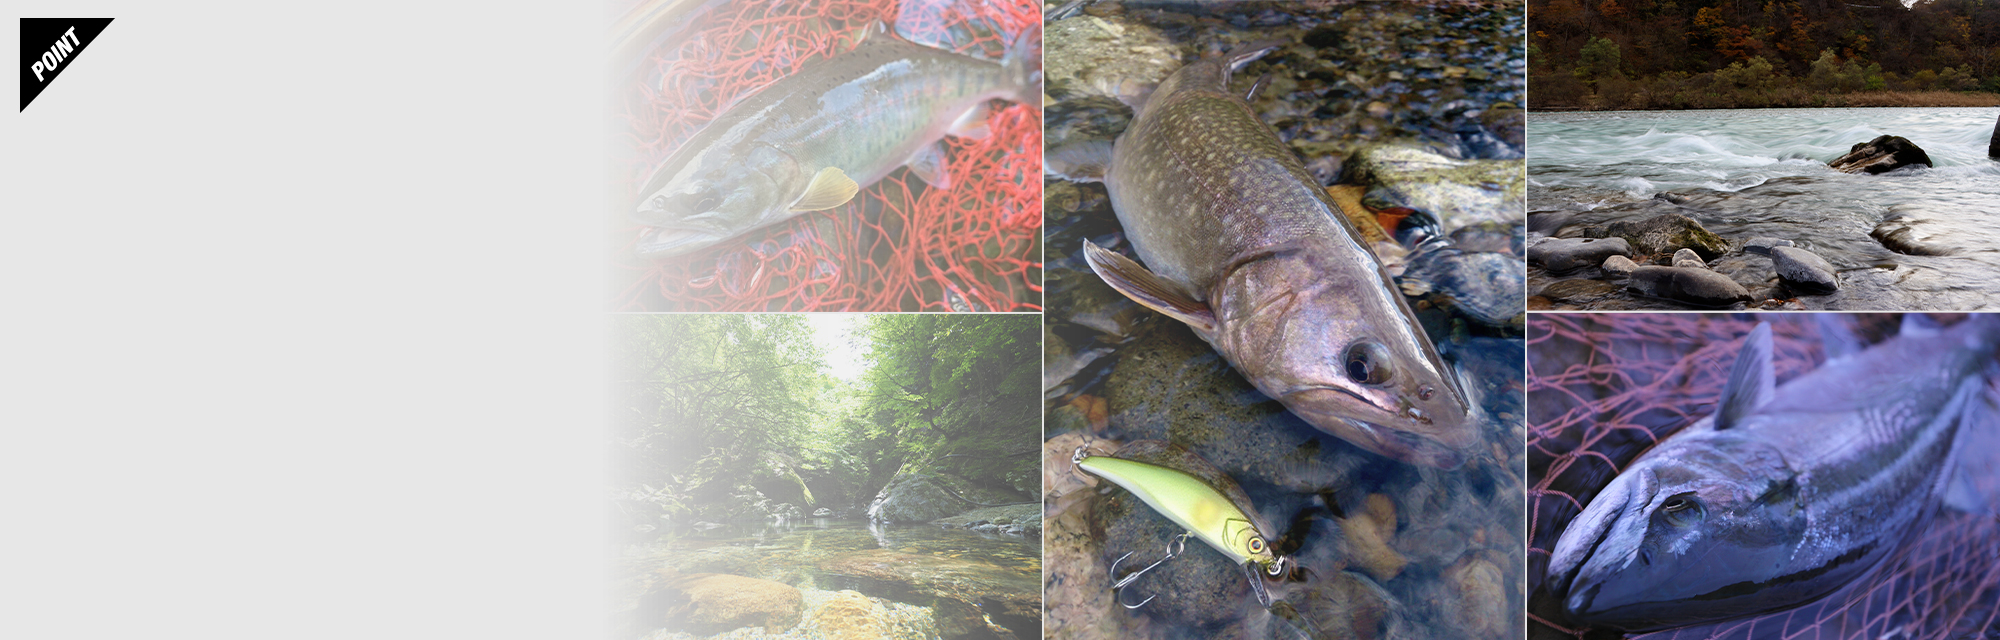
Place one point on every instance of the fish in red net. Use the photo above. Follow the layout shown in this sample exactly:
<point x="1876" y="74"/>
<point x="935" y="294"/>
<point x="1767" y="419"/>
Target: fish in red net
<point x="812" y="140"/>
<point x="1807" y="510"/>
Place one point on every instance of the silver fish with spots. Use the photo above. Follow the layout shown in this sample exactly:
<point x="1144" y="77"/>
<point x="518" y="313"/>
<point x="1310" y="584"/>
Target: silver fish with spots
<point x="812" y="140"/>
<point x="1785" y="494"/>
<point x="1243" y="245"/>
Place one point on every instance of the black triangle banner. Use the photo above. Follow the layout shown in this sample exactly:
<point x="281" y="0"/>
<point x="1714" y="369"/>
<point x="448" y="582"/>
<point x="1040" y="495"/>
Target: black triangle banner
<point x="49" y="46"/>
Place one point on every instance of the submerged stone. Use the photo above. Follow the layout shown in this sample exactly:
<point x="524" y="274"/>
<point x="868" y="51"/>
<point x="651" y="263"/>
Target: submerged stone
<point x="712" y="603"/>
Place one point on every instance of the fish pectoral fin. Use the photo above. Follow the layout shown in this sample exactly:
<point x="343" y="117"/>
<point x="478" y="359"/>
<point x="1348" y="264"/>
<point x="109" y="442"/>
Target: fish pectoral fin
<point x="830" y="188"/>
<point x="1148" y="289"/>
<point x="972" y="124"/>
<point x="1751" y="381"/>
<point x="929" y="165"/>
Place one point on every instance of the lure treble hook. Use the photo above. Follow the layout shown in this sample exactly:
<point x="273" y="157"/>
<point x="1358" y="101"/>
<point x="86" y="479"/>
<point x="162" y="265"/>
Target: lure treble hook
<point x="1175" y="548"/>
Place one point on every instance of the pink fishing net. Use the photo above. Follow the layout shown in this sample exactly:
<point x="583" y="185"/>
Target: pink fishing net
<point x="899" y="245"/>
<point x="1604" y="387"/>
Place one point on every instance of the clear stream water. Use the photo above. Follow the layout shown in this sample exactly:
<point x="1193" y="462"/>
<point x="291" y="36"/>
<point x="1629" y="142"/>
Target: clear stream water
<point x="1763" y="173"/>
<point x="911" y="567"/>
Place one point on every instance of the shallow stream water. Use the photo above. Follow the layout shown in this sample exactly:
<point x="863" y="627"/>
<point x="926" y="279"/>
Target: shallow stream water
<point x="1751" y="173"/>
<point x="916" y="572"/>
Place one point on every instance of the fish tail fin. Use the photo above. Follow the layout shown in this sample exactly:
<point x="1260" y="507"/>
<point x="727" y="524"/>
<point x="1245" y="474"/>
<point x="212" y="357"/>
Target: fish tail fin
<point x="1022" y="66"/>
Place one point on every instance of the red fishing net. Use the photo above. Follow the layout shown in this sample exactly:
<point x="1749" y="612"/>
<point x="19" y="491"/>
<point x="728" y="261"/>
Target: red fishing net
<point x="899" y="245"/>
<point x="1604" y="387"/>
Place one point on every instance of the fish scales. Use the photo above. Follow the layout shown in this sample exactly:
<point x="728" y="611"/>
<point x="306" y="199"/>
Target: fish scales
<point x="1805" y="491"/>
<point x="860" y="114"/>
<point x="1242" y="244"/>
<point x="1211" y="179"/>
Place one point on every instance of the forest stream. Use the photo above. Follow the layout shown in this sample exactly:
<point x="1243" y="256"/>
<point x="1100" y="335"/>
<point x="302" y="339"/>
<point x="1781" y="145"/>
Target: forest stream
<point x="827" y="476"/>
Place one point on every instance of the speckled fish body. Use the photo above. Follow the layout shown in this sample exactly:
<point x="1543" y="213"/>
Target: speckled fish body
<point x="1783" y="495"/>
<point x="1241" y="243"/>
<point x="809" y="141"/>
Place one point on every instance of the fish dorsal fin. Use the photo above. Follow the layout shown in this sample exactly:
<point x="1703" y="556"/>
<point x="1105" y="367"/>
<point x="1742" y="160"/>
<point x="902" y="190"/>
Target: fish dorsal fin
<point x="1836" y="337"/>
<point x="1751" y="382"/>
<point x="830" y="188"/>
<point x="1148" y="289"/>
<point x="1919" y="325"/>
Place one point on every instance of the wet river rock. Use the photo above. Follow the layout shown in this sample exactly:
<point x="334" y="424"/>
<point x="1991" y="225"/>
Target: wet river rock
<point x="1619" y="266"/>
<point x="1993" y="145"/>
<point x="1883" y="154"/>
<point x="1688" y="258"/>
<point x="1563" y="255"/>
<point x="1804" y="270"/>
<point x="1664" y="233"/>
<point x="922" y="497"/>
<point x="1483" y="286"/>
<point x="1699" y="287"/>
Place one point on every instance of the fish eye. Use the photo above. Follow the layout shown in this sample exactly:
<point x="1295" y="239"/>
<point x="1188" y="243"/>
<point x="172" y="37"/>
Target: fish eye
<point x="696" y="202"/>
<point x="1367" y="362"/>
<point x="658" y="203"/>
<point x="1681" y="508"/>
<point x="1256" y="544"/>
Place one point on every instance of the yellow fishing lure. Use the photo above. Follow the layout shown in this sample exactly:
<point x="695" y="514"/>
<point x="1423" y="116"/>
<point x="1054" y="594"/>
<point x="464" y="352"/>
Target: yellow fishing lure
<point x="1194" y="505"/>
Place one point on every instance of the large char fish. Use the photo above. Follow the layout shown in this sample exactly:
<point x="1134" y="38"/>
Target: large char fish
<point x="811" y="140"/>
<point x="1785" y="494"/>
<point x="1243" y="245"/>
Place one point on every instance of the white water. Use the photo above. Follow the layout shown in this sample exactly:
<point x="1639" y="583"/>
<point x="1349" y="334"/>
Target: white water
<point x="1764" y="172"/>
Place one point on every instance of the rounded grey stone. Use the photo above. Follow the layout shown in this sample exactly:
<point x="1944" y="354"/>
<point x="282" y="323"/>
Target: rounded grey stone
<point x="1559" y="255"/>
<point x="1804" y="270"/>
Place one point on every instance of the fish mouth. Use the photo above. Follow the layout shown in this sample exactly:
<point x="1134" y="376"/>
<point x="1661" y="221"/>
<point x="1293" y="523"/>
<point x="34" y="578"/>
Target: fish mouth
<point x="1595" y="550"/>
<point x="1383" y="430"/>
<point x="666" y="242"/>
